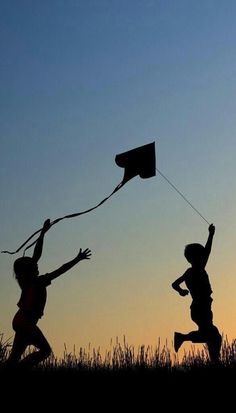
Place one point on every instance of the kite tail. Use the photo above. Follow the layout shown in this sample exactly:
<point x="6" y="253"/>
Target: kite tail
<point x="22" y="245"/>
<point x="119" y="186"/>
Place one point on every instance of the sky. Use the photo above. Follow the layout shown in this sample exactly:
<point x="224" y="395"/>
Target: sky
<point x="81" y="81"/>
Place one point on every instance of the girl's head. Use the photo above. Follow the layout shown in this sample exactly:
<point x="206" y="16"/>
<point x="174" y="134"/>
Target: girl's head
<point x="25" y="268"/>
<point x="194" y="253"/>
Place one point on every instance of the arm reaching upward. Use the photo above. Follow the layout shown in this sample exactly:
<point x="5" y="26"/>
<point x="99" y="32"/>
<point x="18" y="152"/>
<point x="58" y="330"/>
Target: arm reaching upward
<point x="82" y="255"/>
<point x="208" y="245"/>
<point x="39" y="244"/>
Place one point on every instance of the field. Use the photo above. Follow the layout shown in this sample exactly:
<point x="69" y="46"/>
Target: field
<point x="124" y="375"/>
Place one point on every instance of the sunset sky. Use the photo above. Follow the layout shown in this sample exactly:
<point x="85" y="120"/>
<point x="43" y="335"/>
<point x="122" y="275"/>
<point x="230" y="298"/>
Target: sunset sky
<point x="84" y="80"/>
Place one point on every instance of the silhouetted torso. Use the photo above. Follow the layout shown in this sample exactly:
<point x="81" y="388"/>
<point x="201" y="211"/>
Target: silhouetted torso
<point x="198" y="284"/>
<point x="33" y="297"/>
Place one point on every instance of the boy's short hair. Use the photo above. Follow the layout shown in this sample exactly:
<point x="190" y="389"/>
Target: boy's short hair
<point x="194" y="252"/>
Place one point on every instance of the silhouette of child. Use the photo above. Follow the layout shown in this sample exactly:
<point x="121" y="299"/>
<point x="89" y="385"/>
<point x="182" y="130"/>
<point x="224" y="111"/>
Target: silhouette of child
<point x="197" y="283"/>
<point x="32" y="302"/>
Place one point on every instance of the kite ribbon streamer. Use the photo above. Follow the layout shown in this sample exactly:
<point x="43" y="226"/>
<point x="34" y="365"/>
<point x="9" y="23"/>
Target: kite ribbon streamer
<point x="138" y="161"/>
<point x="119" y="186"/>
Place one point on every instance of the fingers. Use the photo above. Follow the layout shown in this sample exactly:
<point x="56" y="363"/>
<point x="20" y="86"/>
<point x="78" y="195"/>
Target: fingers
<point x="86" y="254"/>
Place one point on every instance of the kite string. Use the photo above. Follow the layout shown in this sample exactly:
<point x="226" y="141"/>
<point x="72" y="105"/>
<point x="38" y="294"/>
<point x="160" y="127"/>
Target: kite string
<point x="182" y="195"/>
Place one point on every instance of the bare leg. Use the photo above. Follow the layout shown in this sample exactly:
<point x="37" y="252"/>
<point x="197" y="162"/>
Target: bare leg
<point x="28" y="334"/>
<point x="18" y="348"/>
<point x="38" y="340"/>
<point x="214" y="344"/>
<point x="198" y="336"/>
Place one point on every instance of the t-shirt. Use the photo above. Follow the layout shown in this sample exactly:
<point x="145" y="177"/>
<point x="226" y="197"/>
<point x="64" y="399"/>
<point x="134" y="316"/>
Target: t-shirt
<point x="198" y="283"/>
<point x="34" y="295"/>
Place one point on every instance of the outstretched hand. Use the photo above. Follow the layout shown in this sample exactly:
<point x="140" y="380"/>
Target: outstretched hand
<point x="84" y="255"/>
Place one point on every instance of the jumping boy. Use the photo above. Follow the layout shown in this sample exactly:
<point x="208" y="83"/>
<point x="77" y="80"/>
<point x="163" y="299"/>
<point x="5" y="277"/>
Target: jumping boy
<point x="197" y="283"/>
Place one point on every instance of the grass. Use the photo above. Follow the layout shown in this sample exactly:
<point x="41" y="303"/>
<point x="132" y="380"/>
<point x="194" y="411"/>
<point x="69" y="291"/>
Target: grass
<point x="125" y="375"/>
<point x="124" y="357"/>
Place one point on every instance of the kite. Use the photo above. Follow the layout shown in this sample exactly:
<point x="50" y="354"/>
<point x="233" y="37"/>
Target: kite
<point x="142" y="161"/>
<point x="139" y="161"/>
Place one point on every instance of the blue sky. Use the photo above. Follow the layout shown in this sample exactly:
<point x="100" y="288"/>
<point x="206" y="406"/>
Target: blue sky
<point x="80" y="82"/>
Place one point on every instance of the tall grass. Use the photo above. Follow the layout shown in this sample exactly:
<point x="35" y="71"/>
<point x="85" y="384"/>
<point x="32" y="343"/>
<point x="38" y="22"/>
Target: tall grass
<point x="122" y="378"/>
<point x="5" y="347"/>
<point x="123" y="357"/>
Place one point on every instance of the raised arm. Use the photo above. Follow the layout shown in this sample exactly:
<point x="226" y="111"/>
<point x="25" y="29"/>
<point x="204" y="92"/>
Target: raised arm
<point x="39" y="244"/>
<point x="83" y="255"/>
<point x="208" y="245"/>
<point x="176" y="285"/>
